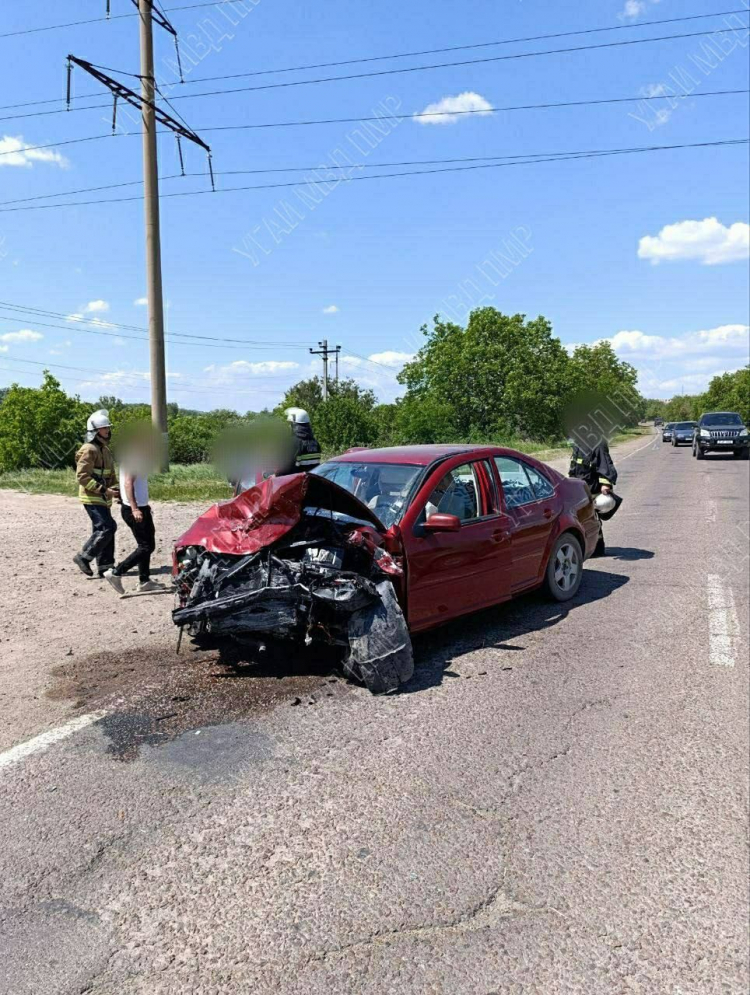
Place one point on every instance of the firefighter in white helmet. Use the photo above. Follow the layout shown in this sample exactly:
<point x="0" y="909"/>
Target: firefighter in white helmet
<point x="95" y="472"/>
<point x="305" y="452"/>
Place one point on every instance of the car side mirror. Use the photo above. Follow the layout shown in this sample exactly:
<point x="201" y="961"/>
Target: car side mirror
<point x="440" y="522"/>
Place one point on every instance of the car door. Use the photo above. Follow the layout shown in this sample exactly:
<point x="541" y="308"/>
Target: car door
<point x="451" y="573"/>
<point x="532" y="504"/>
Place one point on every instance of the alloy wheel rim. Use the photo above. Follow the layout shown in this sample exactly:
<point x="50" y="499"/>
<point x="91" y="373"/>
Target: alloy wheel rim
<point x="567" y="566"/>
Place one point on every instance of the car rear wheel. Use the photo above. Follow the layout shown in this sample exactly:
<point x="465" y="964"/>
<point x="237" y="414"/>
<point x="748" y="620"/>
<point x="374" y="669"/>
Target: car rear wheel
<point x="565" y="568"/>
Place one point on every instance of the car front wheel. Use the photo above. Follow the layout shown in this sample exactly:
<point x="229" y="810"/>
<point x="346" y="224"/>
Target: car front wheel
<point x="565" y="568"/>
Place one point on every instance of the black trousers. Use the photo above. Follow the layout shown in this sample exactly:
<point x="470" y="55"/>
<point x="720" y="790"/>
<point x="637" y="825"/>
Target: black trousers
<point x="101" y="544"/>
<point x="145" y="537"/>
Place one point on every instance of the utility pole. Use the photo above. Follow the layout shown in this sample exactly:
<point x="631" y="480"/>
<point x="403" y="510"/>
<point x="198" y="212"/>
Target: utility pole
<point x="325" y="352"/>
<point x="153" y="232"/>
<point x="151" y="115"/>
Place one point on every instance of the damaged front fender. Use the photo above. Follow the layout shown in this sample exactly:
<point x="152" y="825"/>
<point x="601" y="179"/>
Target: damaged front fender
<point x="301" y="559"/>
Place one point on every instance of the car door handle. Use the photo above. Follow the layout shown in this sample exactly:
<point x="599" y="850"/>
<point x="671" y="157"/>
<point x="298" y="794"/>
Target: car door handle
<point x="548" y="513"/>
<point x="499" y="534"/>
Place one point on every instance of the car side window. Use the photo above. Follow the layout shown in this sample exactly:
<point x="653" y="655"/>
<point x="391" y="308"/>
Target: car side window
<point x="457" y="493"/>
<point x="542" y="487"/>
<point x="517" y="487"/>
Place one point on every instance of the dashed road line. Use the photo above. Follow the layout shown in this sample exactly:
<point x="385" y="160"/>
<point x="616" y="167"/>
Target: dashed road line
<point x="723" y="623"/>
<point x="47" y="739"/>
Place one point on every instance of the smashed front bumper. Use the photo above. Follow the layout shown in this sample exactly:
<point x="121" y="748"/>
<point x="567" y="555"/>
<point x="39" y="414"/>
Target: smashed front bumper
<point x="322" y="583"/>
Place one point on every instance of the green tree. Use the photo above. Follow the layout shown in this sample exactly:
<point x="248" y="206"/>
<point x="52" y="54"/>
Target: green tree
<point x="502" y="375"/>
<point x="343" y="422"/>
<point x="40" y="426"/>
<point x="729" y="392"/>
<point x="308" y="394"/>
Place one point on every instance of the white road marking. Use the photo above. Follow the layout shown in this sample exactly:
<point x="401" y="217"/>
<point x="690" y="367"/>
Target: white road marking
<point x="711" y="512"/>
<point x="637" y="451"/>
<point x="723" y="623"/>
<point x="47" y="739"/>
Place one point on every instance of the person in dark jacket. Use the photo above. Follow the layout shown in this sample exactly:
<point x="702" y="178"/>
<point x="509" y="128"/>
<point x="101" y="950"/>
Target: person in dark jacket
<point x="305" y="452"/>
<point x="593" y="464"/>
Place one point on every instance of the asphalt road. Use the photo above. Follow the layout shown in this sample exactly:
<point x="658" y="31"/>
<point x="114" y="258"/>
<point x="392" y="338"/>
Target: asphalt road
<point x="556" y="804"/>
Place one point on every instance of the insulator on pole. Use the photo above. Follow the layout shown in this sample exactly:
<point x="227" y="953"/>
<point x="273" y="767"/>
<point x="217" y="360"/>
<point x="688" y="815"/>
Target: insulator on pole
<point x="179" y="152"/>
<point x="70" y="73"/>
<point x="108" y="6"/>
<point x="211" y="172"/>
<point x="114" y="114"/>
<point x="179" y="60"/>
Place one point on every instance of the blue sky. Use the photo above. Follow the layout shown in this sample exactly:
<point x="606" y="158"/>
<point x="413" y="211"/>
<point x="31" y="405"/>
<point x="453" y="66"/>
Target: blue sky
<point x="648" y="250"/>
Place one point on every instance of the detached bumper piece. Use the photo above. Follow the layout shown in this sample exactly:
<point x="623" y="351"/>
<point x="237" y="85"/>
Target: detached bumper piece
<point x="321" y="584"/>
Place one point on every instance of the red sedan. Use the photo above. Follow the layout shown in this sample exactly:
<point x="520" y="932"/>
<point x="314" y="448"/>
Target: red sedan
<point x="380" y="542"/>
<point x="472" y="525"/>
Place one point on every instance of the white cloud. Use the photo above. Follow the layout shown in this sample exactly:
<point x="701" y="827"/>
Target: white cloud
<point x="3" y="348"/>
<point x="24" y="335"/>
<point x="75" y="317"/>
<point x="725" y="338"/>
<point x="331" y="309"/>
<point x="15" y="152"/>
<point x="451" y="109"/>
<point x="95" y="307"/>
<point x="391" y="358"/>
<point x="708" y="241"/>
<point x="634" y="8"/>
<point x="242" y="368"/>
<point x="141" y="301"/>
<point x="662" y="112"/>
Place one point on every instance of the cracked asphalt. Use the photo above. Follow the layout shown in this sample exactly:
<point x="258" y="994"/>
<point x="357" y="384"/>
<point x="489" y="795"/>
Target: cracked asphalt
<point x="557" y="803"/>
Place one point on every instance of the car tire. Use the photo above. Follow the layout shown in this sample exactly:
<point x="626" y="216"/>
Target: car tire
<point x="741" y="453"/>
<point x="564" y="569"/>
<point x="699" y="454"/>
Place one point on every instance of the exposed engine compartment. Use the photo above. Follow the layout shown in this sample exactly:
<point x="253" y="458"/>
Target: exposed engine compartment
<point x="326" y="580"/>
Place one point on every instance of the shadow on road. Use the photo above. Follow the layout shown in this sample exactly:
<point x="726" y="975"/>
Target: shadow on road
<point x="492" y="628"/>
<point x="629" y="553"/>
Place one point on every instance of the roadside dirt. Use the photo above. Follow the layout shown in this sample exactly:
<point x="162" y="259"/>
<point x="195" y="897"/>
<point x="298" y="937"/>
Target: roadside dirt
<point x="69" y="644"/>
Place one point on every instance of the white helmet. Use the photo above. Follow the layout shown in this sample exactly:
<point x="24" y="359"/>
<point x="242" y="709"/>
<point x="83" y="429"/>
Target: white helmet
<point x="604" y="503"/>
<point x="297" y="416"/>
<point x="99" y="419"/>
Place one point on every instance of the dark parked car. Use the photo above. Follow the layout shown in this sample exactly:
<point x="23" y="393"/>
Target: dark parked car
<point x="682" y="433"/>
<point x="666" y="431"/>
<point x="378" y="543"/>
<point x="721" y="432"/>
<point x="658" y="422"/>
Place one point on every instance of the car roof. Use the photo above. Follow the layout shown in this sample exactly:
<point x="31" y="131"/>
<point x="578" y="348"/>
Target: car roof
<point x="419" y="455"/>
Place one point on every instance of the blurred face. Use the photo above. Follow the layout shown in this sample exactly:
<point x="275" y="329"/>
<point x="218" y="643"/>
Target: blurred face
<point x="104" y="434"/>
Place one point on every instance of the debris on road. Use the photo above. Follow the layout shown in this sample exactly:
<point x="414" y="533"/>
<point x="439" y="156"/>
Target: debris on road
<point x="296" y="558"/>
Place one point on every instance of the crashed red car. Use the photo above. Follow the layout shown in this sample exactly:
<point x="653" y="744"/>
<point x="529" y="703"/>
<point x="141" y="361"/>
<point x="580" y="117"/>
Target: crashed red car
<point x="378" y="543"/>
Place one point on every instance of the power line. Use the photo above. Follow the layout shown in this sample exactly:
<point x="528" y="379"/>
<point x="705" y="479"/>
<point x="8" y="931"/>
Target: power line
<point x="449" y="65"/>
<point x="384" y="176"/>
<point x="489" y="110"/>
<point x="384" y="72"/>
<point x="405" y="117"/>
<point x="335" y="167"/>
<point x="102" y="20"/>
<point x="185" y="383"/>
<point x="73" y="325"/>
<point x="390" y="117"/>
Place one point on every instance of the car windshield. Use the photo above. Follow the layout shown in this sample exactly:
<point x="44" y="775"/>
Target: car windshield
<point x="684" y="426"/>
<point x="722" y="418"/>
<point x="383" y="487"/>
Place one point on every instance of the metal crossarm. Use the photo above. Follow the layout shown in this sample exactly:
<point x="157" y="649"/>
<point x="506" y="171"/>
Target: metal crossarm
<point x="122" y="92"/>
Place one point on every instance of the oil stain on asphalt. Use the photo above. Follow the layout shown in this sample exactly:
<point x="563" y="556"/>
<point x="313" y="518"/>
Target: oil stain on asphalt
<point x="153" y="696"/>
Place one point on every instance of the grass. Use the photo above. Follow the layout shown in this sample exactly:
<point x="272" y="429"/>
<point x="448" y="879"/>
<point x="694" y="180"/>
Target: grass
<point x="200" y="482"/>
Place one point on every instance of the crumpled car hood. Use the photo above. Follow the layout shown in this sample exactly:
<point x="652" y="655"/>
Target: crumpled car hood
<point x="263" y="514"/>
